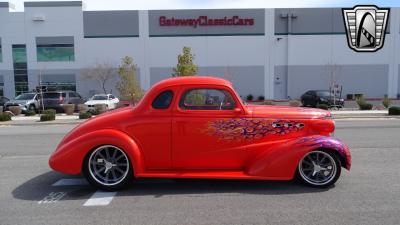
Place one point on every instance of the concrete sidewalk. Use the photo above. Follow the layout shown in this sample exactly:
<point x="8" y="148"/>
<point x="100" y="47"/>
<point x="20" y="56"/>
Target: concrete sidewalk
<point x="22" y="120"/>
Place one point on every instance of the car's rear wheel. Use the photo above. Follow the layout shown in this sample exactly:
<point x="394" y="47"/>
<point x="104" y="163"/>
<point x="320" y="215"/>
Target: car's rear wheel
<point x="319" y="168"/>
<point x="108" y="168"/>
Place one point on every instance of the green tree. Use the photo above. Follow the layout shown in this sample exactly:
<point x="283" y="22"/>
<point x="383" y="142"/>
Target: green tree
<point x="128" y="86"/>
<point x="185" y="66"/>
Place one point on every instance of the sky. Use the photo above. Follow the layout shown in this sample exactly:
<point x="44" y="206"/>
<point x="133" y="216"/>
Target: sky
<point x="211" y="4"/>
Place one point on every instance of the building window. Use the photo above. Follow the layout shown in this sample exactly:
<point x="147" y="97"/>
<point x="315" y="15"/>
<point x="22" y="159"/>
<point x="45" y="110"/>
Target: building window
<point x="55" y="53"/>
<point x="59" y="82"/>
<point x="1" y="53"/>
<point x="20" y="69"/>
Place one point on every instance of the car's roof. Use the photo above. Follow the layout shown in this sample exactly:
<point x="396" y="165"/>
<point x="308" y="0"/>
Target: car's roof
<point x="188" y="80"/>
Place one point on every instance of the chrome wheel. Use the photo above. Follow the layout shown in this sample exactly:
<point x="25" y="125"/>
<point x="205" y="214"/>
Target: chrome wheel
<point x="108" y="165"/>
<point x="318" y="168"/>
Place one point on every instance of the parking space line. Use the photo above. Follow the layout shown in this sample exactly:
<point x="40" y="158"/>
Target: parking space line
<point x="71" y="182"/>
<point x="100" y="198"/>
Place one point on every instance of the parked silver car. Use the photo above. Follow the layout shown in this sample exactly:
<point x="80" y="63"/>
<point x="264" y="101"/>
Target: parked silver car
<point x="27" y="101"/>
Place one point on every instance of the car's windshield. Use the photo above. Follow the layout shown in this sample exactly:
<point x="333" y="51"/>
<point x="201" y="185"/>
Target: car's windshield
<point x="100" y="97"/>
<point x="324" y="94"/>
<point x="26" y="96"/>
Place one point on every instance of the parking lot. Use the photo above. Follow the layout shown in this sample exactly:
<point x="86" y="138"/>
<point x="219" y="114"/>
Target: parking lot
<point x="30" y="193"/>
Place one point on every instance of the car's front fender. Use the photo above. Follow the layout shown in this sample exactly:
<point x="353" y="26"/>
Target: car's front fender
<point x="281" y="161"/>
<point x="68" y="157"/>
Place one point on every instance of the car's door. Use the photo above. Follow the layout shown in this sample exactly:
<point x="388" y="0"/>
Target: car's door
<point x="152" y="129"/>
<point x="196" y="142"/>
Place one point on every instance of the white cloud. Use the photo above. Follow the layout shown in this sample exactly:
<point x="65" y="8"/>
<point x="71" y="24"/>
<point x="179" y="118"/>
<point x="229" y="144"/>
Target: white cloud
<point x="194" y="4"/>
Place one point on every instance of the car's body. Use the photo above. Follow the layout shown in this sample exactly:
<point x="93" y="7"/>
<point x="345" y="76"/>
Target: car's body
<point x="314" y="98"/>
<point x="108" y="99"/>
<point x="26" y="101"/>
<point x="55" y="99"/>
<point x="3" y="101"/>
<point x="177" y="131"/>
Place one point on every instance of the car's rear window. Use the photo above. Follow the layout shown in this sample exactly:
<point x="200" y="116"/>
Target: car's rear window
<point x="53" y="95"/>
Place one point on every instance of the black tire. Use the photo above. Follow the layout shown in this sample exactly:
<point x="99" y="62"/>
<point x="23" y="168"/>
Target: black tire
<point x="32" y="108"/>
<point x="89" y="171"/>
<point x="330" y="179"/>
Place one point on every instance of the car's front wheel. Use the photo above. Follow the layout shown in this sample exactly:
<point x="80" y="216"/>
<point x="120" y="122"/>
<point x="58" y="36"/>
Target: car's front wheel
<point x="108" y="168"/>
<point x="319" y="168"/>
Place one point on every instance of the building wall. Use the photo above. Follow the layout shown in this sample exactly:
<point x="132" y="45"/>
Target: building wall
<point x="279" y="54"/>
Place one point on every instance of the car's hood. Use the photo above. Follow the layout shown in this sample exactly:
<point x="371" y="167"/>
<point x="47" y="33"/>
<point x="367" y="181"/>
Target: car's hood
<point x="94" y="102"/>
<point x="22" y="102"/>
<point x="286" y="112"/>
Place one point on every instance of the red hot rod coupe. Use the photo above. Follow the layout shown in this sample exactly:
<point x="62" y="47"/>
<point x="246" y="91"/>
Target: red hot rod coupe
<point x="197" y="127"/>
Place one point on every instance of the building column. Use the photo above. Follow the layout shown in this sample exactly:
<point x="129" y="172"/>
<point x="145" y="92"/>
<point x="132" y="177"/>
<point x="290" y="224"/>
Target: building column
<point x="144" y="39"/>
<point x="394" y="62"/>
<point x="269" y="68"/>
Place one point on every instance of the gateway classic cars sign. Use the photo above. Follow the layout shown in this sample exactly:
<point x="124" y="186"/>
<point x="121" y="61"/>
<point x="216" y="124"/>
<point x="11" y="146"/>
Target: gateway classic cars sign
<point x="205" y="21"/>
<point x="213" y="22"/>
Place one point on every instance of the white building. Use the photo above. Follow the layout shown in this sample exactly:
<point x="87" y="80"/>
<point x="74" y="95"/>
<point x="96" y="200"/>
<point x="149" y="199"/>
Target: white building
<point x="276" y="53"/>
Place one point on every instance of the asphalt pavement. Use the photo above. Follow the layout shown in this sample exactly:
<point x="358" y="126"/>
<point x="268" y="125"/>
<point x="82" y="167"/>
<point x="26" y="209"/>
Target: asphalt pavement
<point x="30" y="193"/>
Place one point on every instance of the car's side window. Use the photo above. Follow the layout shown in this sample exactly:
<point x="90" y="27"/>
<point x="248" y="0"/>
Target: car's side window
<point x="163" y="100"/>
<point x="207" y="99"/>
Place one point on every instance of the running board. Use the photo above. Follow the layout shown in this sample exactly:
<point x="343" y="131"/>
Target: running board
<point x="235" y="174"/>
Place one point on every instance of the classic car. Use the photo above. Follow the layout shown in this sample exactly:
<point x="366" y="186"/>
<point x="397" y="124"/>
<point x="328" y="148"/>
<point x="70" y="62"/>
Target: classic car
<point x="198" y="127"/>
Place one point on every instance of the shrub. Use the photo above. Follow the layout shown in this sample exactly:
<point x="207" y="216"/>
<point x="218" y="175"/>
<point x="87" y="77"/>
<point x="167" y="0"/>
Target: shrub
<point x="85" y="115"/>
<point x="50" y="111"/>
<point x="363" y="104"/>
<point x="366" y="106"/>
<point x="30" y="113"/>
<point x="386" y="102"/>
<point x="16" y="110"/>
<point x="323" y="106"/>
<point x="68" y="108"/>
<point x="5" y="117"/>
<point x="394" y="110"/>
<point x="47" y="117"/>
<point x="261" y="98"/>
<point x="249" y="97"/>
<point x="294" y="103"/>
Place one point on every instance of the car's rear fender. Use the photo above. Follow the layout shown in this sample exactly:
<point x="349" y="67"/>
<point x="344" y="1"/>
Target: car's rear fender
<point x="281" y="161"/>
<point x="69" y="157"/>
